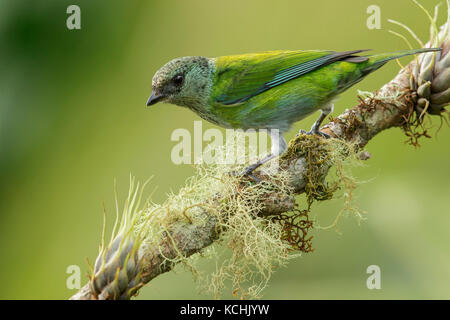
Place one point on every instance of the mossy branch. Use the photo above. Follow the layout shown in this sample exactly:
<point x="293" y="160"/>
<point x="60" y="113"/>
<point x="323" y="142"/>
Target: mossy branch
<point x="140" y="251"/>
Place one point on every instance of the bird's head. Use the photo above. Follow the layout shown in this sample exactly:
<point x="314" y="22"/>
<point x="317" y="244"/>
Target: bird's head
<point x="183" y="81"/>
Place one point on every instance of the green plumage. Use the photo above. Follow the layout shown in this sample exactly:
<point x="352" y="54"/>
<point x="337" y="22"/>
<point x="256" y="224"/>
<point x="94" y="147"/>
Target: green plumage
<point x="248" y="90"/>
<point x="269" y="90"/>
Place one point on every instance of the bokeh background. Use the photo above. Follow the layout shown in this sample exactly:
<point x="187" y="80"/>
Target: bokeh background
<point x="73" y="118"/>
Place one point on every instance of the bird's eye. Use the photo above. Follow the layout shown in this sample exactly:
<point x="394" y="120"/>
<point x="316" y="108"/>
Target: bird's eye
<point x="178" y="80"/>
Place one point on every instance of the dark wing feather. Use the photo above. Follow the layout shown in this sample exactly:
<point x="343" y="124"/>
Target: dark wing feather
<point x="282" y="76"/>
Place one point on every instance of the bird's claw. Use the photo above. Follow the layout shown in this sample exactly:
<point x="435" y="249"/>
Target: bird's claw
<point x="319" y="133"/>
<point x="247" y="172"/>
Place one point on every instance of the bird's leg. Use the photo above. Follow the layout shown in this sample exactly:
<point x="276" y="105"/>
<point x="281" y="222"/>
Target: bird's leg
<point x="279" y="145"/>
<point x="316" y="126"/>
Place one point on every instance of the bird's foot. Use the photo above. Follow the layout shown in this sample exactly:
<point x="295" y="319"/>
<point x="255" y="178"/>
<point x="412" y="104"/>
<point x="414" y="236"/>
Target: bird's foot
<point x="247" y="172"/>
<point x="316" y="132"/>
<point x="244" y="173"/>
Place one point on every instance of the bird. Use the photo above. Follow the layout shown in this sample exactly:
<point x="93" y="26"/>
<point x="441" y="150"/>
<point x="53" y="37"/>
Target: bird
<point x="269" y="90"/>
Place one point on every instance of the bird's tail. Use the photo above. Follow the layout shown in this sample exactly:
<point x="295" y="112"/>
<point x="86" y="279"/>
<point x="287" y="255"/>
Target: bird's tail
<point x="379" y="60"/>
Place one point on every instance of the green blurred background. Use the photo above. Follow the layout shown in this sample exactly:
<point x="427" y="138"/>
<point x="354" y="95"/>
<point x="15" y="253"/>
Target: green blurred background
<point x="73" y="118"/>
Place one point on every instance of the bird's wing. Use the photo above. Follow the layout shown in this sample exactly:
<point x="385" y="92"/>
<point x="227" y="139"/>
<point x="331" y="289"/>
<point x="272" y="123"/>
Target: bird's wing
<point x="240" y="77"/>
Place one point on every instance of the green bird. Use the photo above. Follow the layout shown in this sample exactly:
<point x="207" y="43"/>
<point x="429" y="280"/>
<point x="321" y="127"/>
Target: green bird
<point x="268" y="90"/>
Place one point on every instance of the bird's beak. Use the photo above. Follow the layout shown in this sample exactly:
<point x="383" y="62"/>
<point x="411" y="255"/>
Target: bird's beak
<point x="154" y="98"/>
